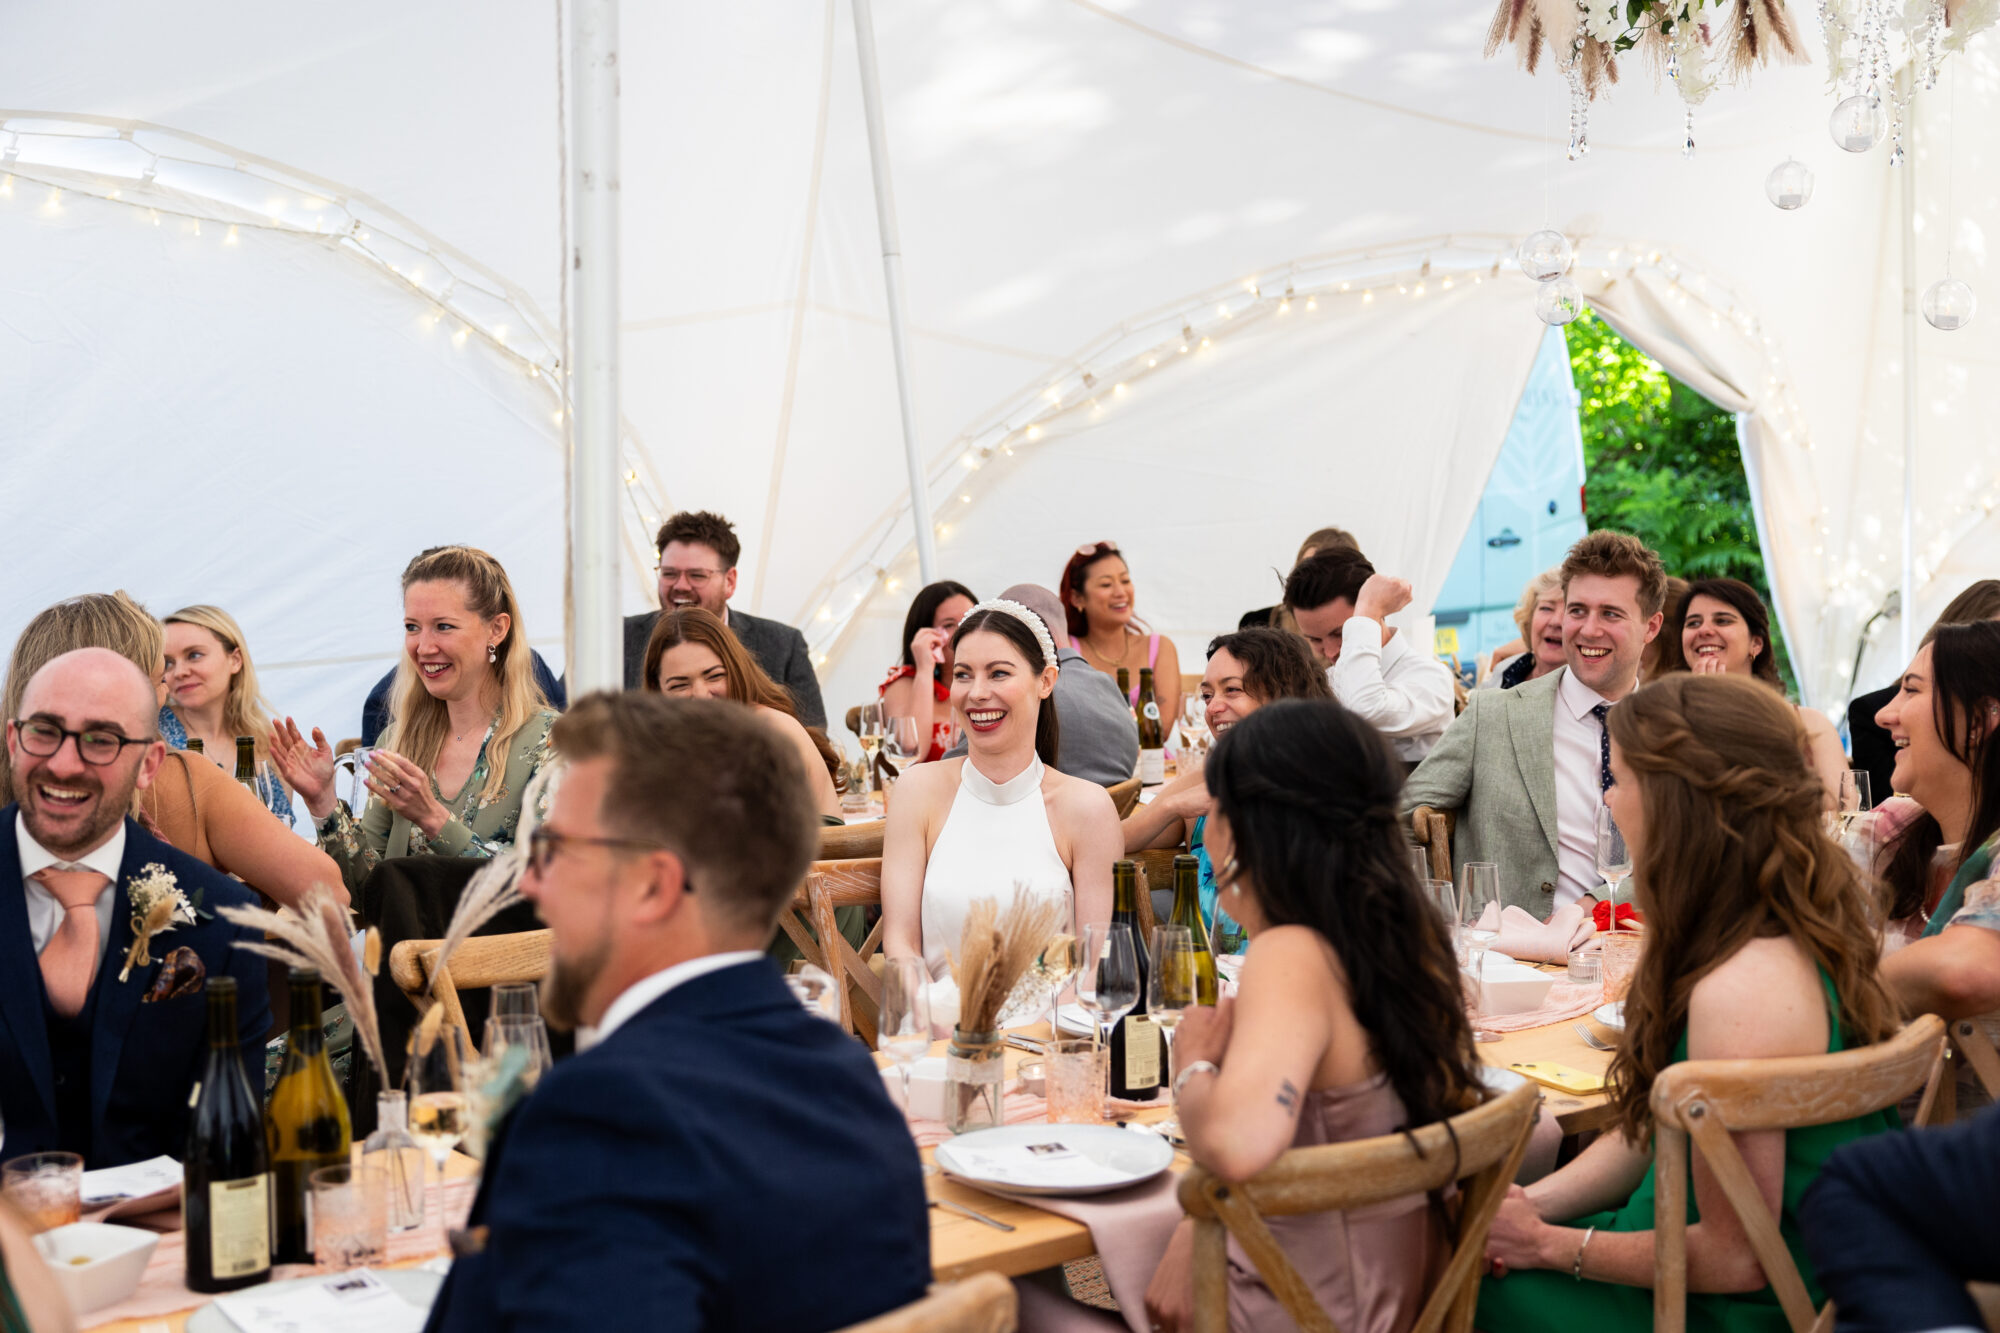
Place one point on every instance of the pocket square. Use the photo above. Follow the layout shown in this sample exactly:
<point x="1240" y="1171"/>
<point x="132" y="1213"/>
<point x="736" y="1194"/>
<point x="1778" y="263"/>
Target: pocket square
<point x="181" y="973"/>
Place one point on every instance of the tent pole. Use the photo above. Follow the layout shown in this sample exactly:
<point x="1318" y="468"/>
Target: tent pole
<point x="892" y="278"/>
<point x="596" y="652"/>
<point x="1908" y="618"/>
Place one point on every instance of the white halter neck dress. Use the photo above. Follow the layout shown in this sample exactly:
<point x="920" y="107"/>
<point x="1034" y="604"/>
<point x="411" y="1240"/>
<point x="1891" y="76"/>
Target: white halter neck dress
<point x="995" y="839"/>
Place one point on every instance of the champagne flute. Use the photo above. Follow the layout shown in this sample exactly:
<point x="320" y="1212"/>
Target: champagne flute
<point x="1107" y="982"/>
<point x="1614" y="859"/>
<point x="1479" y="887"/>
<point x="904" y="1030"/>
<point x="440" y="1078"/>
<point x="1853" y="796"/>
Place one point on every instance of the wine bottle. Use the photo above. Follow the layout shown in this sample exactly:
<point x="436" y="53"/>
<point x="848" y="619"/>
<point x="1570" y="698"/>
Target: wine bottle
<point x="226" y="1181"/>
<point x="1125" y="688"/>
<point x="1152" y="736"/>
<point x="1187" y="912"/>
<point x="1135" y="1042"/>
<point x="195" y="746"/>
<point x="246" y="765"/>
<point x="306" y="1124"/>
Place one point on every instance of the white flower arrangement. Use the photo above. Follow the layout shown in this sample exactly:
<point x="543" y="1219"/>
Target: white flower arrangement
<point x="158" y="905"/>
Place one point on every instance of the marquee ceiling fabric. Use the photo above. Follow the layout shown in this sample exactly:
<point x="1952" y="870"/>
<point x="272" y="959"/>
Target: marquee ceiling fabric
<point x="1063" y="168"/>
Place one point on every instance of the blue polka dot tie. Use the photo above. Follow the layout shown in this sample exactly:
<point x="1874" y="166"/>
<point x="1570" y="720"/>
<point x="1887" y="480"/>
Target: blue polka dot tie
<point x="1603" y="747"/>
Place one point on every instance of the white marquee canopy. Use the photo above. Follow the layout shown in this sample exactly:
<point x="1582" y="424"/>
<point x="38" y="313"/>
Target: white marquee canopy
<point x="282" y="305"/>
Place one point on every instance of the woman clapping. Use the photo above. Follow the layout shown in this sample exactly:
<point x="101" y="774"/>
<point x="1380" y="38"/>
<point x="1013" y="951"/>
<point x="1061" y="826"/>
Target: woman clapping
<point x="469" y="727"/>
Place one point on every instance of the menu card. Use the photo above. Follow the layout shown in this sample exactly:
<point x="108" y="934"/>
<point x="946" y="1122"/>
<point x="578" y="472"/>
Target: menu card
<point x="351" y="1302"/>
<point x="1049" y="1164"/>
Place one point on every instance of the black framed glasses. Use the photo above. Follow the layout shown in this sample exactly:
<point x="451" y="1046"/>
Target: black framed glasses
<point x="544" y="845"/>
<point x="43" y="739"/>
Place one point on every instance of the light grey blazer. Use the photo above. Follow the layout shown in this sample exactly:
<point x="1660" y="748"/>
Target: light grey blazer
<point x="1495" y="767"/>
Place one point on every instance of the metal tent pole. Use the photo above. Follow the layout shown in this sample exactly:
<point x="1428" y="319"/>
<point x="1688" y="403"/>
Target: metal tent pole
<point x="1907" y="621"/>
<point x="892" y="277"/>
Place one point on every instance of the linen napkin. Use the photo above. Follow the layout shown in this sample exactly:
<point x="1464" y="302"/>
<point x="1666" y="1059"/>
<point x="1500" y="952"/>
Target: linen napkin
<point x="1521" y="937"/>
<point x="1130" y="1229"/>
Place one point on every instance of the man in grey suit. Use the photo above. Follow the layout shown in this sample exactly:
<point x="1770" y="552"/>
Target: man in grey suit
<point x="698" y="553"/>
<point x="1525" y="769"/>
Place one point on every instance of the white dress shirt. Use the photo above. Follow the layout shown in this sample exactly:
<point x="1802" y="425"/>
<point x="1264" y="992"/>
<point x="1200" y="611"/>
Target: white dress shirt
<point x="1404" y="693"/>
<point x="650" y="988"/>
<point x="1579" y="763"/>
<point x="45" y="914"/>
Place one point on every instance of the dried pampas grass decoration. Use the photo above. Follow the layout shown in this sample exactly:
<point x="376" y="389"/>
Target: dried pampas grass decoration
<point x="995" y="950"/>
<point x="316" y="934"/>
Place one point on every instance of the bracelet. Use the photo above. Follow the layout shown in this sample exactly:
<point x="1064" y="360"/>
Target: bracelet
<point x="1576" y="1268"/>
<point x="1198" y="1067"/>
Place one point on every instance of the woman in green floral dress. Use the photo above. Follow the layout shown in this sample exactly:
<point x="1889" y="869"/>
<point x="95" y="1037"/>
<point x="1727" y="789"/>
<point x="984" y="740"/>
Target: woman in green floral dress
<point x="1759" y="944"/>
<point x="469" y="727"/>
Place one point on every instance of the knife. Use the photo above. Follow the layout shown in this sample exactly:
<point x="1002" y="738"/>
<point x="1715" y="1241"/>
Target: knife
<point x="975" y="1215"/>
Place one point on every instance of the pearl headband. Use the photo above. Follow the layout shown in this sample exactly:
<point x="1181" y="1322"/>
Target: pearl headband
<point x="1035" y="624"/>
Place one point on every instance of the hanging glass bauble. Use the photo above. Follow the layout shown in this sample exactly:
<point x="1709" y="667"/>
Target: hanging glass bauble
<point x="1858" y="123"/>
<point x="1544" y="254"/>
<point x="1558" y="301"/>
<point x="1790" y="184"/>
<point x="1949" y="304"/>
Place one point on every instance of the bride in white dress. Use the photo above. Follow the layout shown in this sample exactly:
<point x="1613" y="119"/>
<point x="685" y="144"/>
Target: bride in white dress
<point x="1002" y="819"/>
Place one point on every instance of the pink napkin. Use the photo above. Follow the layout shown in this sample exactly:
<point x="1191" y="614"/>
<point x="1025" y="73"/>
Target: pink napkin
<point x="1524" y="939"/>
<point x="1130" y="1229"/>
<point x="1566" y="1000"/>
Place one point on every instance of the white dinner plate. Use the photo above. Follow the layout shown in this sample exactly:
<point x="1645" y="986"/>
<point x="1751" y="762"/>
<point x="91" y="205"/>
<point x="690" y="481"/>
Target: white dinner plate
<point x="414" y="1285"/>
<point x="1055" y="1159"/>
<point x="1611" y="1015"/>
<point x="1075" y="1020"/>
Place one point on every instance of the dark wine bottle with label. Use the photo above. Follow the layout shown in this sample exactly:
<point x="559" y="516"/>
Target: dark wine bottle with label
<point x="1152" y="736"/>
<point x="1136" y="1049"/>
<point x="226" y="1188"/>
<point x="246" y="765"/>
<point x="1187" y="912"/>
<point x="306" y="1125"/>
<point x="195" y="746"/>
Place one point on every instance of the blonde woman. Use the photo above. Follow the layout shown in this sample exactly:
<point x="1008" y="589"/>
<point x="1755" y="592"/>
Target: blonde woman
<point x="1539" y="650"/>
<point x="468" y="727"/>
<point x="191" y="804"/>
<point x="212" y="695"/>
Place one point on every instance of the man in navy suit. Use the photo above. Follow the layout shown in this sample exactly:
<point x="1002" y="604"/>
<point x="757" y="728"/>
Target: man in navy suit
<point x="716" y="1158"/>
<point x="89" y="1063"/>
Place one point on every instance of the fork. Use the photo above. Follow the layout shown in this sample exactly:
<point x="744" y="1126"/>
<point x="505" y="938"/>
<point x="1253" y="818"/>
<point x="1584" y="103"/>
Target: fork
<point x="1591" y="1039"/>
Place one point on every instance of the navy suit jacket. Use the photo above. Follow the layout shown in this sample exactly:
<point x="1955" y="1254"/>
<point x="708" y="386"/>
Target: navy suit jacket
<point x="145" y="1055"/>
<point x="724" y="1161"/>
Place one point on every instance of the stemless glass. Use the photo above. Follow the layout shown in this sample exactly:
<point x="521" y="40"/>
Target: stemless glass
<point x="1479" y="887"/>
<point x="350" y="1215"/>
<point x="1107" y="983"/>
<point x="904" y="1032"/>
<point x="47" y="1187"/>
<point x="440" y="1078"/>
<point x="1614" y="859"/>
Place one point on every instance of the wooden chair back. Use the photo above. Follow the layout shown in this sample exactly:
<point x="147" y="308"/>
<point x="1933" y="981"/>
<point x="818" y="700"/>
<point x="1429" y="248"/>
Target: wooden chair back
<point x="1125" y="795"/>
<point x="1706" y="1100"/>
<point x="1190" y="685"/>
<point x="982" y="1303"/>
<point x="478" y="962"/>
<point x="831" y="885"/>
<point x="1431" y="830"/>
<point x="850" y="842"/>
<point x="1480" y="1149"/>
<point x="1156" y="871"/>
<point x="853" y="720"/>
<point x="346" y="747"/>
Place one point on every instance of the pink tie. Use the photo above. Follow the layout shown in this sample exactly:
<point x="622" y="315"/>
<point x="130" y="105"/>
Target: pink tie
<point x="69" y="963"/>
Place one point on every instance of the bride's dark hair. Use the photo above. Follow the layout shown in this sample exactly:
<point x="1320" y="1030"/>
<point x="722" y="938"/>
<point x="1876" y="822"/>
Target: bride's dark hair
<point x="1310" y="793"/>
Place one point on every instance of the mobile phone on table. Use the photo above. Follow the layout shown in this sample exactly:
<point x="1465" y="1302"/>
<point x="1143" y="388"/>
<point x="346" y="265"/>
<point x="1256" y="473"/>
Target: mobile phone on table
<point x="1561" y="1077"/>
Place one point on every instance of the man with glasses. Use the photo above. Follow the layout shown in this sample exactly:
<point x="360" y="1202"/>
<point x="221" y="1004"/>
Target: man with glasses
<point x="717" y="1157"/>
<point x="90" y="1062"/>
<point x="698" y="552"/>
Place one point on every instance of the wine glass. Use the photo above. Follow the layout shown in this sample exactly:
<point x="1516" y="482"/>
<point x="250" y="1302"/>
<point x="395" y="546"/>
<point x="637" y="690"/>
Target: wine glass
<point x="904" y="1031"/>
<point x="1614" y="859"/>
<point x="1442" y="895"/>
<point x="1479" y="887"/>
<point x="1853" y="796"/>
<point x="516" y="999"/>
<point x="1171" y="985"/>
<point x="903" y="743"/>
<point x="1420" y="861"/>
<point x="1195" y="736"/>
<point x="1056" y="964"/>
<point x="1107" y="980"/>
<point x="507" y="1032"/>
<point x="440" y="1078"/>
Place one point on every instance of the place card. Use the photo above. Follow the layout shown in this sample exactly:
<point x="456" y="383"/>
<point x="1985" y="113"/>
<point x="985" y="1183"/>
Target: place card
<point x="353" y="1302"/>
<point x="1049" y="1163"/>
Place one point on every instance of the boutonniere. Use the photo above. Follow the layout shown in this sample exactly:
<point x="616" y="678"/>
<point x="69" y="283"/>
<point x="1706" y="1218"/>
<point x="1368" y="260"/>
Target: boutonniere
<point x="158" y="905"/>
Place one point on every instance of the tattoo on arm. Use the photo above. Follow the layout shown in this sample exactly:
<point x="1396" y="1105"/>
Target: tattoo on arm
<point x="1288" y="1097"/>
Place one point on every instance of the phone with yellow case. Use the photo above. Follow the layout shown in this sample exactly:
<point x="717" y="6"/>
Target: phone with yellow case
<point x="1562" y="1077"/>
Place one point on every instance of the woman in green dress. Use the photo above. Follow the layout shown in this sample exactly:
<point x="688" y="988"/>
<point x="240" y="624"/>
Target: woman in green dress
<point x="1759" y="944"/>
<point x="468" y="729"/>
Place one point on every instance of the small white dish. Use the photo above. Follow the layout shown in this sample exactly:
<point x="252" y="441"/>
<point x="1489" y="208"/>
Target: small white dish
<point x="926" y="1088"/>
<point x="1037" y="1159"/>
<point x="97" y="1263"/>
<point x="1508" y="987"/>
<point x="1499" y="1081"/>
<point x="1611" y="1015"/>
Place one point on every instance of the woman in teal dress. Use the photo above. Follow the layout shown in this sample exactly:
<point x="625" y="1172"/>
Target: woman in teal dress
<point x="1759" y="944"/>
<point x="1246" y="670"/>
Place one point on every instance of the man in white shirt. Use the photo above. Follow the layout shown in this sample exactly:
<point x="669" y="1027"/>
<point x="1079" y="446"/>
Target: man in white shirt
<point x="720" y="1158"/>
<point x="1526" y="768"/>
<point x="1341" y="605"/>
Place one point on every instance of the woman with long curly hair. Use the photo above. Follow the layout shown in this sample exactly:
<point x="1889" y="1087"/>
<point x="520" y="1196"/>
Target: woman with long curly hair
<point x="1759" y="944"/>
<point x="1348" y="1020"/>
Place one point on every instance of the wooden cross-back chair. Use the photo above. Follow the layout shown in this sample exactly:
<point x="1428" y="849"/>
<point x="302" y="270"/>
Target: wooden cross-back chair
<point x="1481" y="1149"/>
<point x="982" y="1303"/>
<point x="1707" y="1100"/>
<point x="1970" y="1044"/>
<point x="478" y="962"/>
<point x="1125" y="796"/>
<point x="1431" y="830"/>
<point x="831" y="885"/>
<point x="846" y="842"/>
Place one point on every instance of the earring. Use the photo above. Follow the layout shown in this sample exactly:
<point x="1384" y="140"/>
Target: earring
<point x="492" y="653"/>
